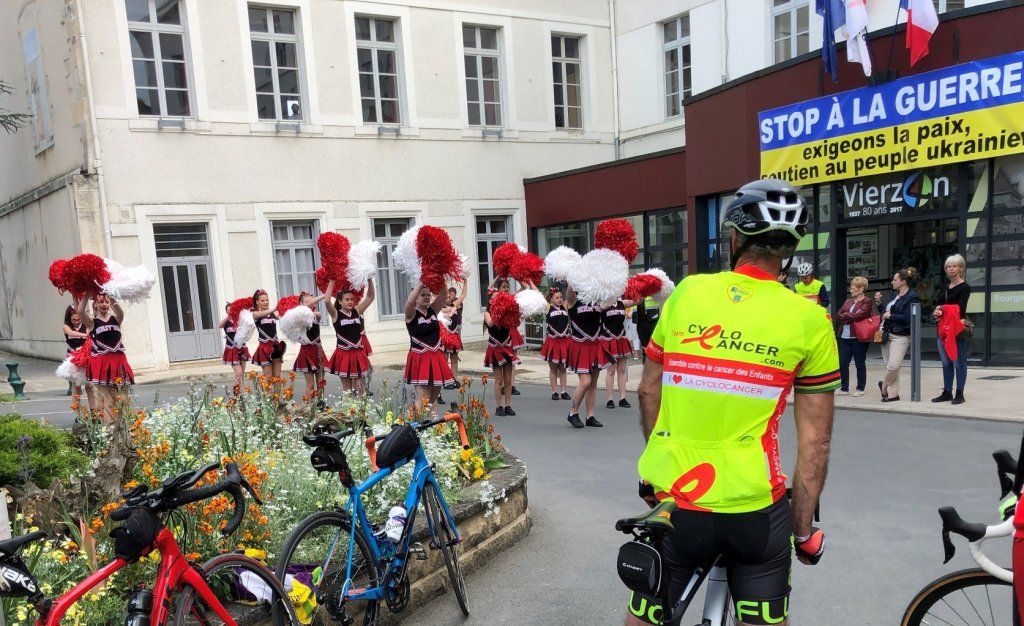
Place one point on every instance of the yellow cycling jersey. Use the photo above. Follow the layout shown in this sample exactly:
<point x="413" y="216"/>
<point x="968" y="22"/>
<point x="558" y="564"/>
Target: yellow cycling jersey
<point x="732" y="345"/>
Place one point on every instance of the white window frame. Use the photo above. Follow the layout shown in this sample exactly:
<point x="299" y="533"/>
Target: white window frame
<point x="373" y="46"/>
<point x="155" y="30"/>
<point x="685" y="82"/>
<point x="563" y="86"/>
<point x="485" y="267"/>
<point x="35" y="79"/>
<point x="397" y="284"/>
<point x="273" y="38"/>
<point x="942" y="6"/>
<point x="791" y="7"/>
<point x="478" y="53"/>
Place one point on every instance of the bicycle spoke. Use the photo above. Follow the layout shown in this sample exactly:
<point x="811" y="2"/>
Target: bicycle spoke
<point x="990" y="612"/>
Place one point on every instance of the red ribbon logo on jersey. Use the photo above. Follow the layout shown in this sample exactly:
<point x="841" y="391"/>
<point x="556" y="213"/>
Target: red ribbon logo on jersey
<point x="709" y="333"/>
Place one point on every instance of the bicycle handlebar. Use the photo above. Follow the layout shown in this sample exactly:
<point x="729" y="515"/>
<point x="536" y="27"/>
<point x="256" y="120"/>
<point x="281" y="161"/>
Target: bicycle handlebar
<point x="372" y="440"/>
<point x="953" y="523"/>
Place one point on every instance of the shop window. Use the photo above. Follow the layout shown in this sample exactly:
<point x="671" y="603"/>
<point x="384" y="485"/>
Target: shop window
<point x="156" y="33"/>
<point x="276" y="54"/>
<point x="377" y="60"/>
<point x="393" y="286"/>
<point x="1008" y="332"/>
<point x="667" y="245"/>
<point x="483" y="75"/>
<point x="579" y="236"/>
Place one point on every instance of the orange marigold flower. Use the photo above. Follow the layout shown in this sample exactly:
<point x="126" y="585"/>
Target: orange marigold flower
<point x="118" y="381"/>
<point x="131" y="484"/>
<point x="110" y="507"/>
<point x="484" y="379"/>
<point x="192" y="556"/>
<point x="95" y="525"/>
<point x="291" y="375"/>
<point x="248" y="389"/>
<point x="252" y="375"/>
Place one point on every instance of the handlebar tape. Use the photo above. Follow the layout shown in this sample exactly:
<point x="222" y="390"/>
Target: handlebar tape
<point x="239" y="513"/>
<point x="457" y="418"/>
<point x="371" y="449"/>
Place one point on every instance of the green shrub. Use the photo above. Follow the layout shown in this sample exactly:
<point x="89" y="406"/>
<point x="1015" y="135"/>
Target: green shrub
<point x="51" y="452"/>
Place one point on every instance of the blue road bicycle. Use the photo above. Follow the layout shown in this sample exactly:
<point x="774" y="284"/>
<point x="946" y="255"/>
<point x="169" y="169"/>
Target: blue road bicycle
<point x="334" y="562"/>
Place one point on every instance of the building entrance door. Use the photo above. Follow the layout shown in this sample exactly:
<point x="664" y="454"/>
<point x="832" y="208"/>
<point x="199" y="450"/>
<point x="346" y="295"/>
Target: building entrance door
<point x="187" y="284"/>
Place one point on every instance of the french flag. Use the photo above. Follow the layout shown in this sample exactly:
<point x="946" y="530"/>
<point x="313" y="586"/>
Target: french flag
<point x="921" y="23"/>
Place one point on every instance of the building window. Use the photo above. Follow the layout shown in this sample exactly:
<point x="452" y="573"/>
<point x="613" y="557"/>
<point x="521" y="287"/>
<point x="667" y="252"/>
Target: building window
<point x="393" y="287"/>
<point x="35" y="78"/>
<point x="942" y="6"/>
<point x="377" y="57"/>
<point x="676" y="50"/>
<point x="275" y="63"/>
<point x="567" y="69"/>
<point x="295" y="257"/>
<point x="483" y="75"/>
<point x="667" y="243"/>
<point x="156" y="33"/>
<point x="790" y="22"/>
<point x="491" y="232"/>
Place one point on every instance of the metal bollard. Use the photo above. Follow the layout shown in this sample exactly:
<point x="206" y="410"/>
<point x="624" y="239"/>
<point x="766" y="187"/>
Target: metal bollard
<point x="15" y="381"/>
<point x="915" y="352"/>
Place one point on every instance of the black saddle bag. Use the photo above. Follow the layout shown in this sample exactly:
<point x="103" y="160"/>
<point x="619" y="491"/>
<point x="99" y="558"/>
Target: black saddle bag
<point x="400" y="444"/>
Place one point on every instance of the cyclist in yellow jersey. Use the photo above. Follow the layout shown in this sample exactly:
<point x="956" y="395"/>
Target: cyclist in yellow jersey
<point x="727" y="349"/>
<point x="810" y="287"/>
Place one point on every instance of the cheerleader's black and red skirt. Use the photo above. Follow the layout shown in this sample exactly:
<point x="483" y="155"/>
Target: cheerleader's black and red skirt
<point x="618" y="348"/>
<point x="268" y="352"/>
<point x="516" y="337"/>
<point x="496" y="356"/>
<point x="312" y="358"/>
<point x="428" y="368"/>
<point x="235" y="356"/>
<point x="556" y="350"/>
<point x="366" y="345"/>
<point x="107" y="369"/>
<point x="585" y="356"/>
<point x="349" y="363"/>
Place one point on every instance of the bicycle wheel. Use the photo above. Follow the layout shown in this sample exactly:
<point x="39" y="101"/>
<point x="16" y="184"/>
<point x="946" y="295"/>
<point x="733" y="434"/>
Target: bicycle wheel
<point x="444" y="537"/>
<point x="967" y="598"/>
<point x="321" y="542"/>
<point x="245" y="587"/>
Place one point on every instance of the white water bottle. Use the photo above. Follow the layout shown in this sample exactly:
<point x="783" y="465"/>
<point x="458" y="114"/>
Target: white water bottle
<point x="395" y="524"/>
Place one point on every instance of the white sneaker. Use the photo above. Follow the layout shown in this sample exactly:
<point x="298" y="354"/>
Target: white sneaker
<point x="858" y="393"/>
<point x="842" y="393"/>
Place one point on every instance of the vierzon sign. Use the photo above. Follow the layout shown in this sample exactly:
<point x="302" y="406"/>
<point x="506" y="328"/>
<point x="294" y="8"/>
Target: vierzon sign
<point x="959" y="113"/>
<point x="903" y="194"/>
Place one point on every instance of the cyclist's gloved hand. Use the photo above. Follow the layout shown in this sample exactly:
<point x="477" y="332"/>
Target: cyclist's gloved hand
<point x="810" y="548"/>
<point x="646" y="492"/>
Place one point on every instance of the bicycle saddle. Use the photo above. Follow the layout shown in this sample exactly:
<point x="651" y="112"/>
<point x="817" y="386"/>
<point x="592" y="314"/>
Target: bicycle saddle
<point x="658" y="518"/>
<point x="10" y="547"/>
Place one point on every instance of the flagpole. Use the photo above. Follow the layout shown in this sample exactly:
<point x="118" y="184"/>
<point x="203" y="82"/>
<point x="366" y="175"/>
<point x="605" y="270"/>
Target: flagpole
<point x="892" y="42"/>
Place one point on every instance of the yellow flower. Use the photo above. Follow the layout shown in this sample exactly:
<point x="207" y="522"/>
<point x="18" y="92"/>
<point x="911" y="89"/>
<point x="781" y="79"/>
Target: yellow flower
<point x="466" y="454"/>
<point x="478" y="472"/>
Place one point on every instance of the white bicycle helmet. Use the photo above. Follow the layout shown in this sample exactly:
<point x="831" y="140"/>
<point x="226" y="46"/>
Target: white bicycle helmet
<point x="767" y="207"/>
<point x="804" y="269"/>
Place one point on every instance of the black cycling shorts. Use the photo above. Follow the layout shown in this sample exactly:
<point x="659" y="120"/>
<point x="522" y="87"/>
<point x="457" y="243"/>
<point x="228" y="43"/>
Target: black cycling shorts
<point x="757" y="551"/>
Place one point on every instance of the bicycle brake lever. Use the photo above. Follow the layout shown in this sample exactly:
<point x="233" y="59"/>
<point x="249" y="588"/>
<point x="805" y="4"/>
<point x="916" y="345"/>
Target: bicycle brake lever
<point x="947" y="545"/>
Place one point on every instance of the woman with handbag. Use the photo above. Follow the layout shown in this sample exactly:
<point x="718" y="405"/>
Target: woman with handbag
<point x="856" y="332"/>
<point x="896" y="331"/>
<point x="958" y="292"/>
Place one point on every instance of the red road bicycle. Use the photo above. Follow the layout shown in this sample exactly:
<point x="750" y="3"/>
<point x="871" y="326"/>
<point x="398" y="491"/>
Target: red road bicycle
<point x="987" y="595"/>
<point x="227" y="590"/>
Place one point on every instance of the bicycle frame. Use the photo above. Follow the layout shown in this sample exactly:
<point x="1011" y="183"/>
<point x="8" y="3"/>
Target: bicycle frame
<point x="422" y="474"/>
<point x="173" y="571"/>
<point x="716" y="599"/>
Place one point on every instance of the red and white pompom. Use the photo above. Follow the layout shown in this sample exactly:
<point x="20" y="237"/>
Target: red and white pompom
<point x="504" y="257"/>
<point x="600" y="277"/>
<point x="528" y="269"/>
<point x="128" y="284"/>
<point x="449" y="340"/>
<point x="72" y="369"/>
<point x="57" y="275"/>
<point x="236" y="307"/>
<point x="83" y="274"/>
<point x="322" y="279"/>
<point x="426" y="254"/>
<point x="559" y="263"/>
<point x="334" y="248"/>
<point x="245" y="327"/>
<point x="446" y="321"/>
<point x="286" y="304"/>
<point x="362" y="263"/>
<point x="667" y="286"/>
<point x="531" y="302"/>
<point x="296" y="322"/>
<point x="641" y="286"/>
<point x="618" y="235"/>
<point x="504" y="310"/>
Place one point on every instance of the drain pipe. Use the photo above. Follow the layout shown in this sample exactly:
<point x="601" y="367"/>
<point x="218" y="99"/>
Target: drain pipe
<point x="97" y="161"/>
<point x="615" y="80"/>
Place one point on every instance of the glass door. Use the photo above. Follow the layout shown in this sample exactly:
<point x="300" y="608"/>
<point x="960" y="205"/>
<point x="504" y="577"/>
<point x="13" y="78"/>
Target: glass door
<point x="186" y="282"/>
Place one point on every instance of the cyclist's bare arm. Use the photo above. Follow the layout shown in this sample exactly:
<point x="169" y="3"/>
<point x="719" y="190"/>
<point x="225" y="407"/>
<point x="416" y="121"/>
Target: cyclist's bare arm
<point x="814" y="413"/>
<point x="649" y="392"/>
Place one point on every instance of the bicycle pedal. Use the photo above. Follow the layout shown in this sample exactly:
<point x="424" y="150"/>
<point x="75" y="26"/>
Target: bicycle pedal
<point x="418" y="550"/>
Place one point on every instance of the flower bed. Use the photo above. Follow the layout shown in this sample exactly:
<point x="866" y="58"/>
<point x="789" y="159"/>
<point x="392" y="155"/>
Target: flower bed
<point x="264" y="438"/>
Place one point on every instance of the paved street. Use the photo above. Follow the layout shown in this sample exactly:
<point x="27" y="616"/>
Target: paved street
<point x="889" y="474"/>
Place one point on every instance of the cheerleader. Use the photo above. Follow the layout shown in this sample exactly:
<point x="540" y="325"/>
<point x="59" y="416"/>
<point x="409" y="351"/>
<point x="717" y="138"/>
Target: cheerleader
<point x="619" y="349"/>
<point x="587" y="357"/>
<point x="349" y="360"/>
<point x="556" y="343"/>
<point x="502" y="284"/>
<point x="270" y="350"/>
<point x="108" y="367"/>
<point x="75" y="333"/>
<point x="501" y="357"/>
<point x="425" y="368"/>
<point x="312" y="359"/>
<point x="234" y="355"/>
<point x="453" y="309"/>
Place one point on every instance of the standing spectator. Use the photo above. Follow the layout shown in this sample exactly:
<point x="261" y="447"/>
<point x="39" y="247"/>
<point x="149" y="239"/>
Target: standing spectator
<point x="810" y="287"/>
<point x="896" y="331"/>
<point x="856" y="308"/>
<point x="631" y="334"/>
<point x="647" y="313"/>
<point x="957" y="293"/>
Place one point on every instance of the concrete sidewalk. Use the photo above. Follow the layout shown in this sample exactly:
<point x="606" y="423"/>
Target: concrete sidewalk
<point x="992" y="393"/>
